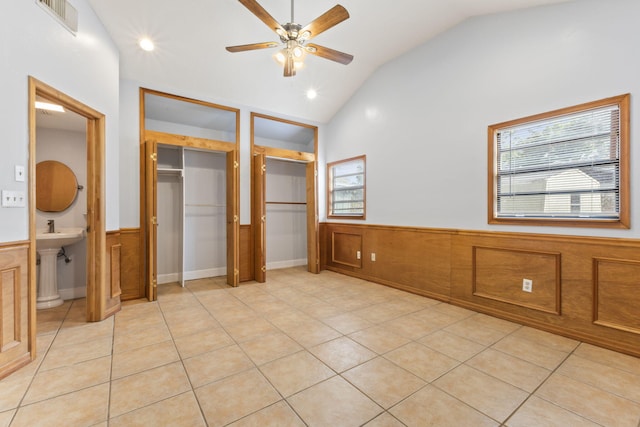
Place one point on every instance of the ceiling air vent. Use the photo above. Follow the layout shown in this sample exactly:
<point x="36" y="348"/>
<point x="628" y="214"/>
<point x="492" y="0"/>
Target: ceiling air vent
<point x="63" y="12"/>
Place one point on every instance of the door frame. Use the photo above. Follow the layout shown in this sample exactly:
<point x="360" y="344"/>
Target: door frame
<point x="259" y="154"/>
<point x="96" y="234"/>
<point x="148" y="189"/>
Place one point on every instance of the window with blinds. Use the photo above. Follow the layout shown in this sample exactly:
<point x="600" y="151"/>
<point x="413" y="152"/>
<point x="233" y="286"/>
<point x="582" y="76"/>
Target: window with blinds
<point x="346" y="188"/>
<point x="569" y="166"/>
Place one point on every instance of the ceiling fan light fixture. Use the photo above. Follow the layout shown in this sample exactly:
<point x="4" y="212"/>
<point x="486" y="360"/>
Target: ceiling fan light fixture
<point x="297" y="52"/>
<point x="281" y="56"/>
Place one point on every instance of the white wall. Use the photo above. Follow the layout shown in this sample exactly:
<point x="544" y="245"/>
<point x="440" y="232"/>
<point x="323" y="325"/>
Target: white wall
<point x="422" y="119"/>
<point x="84" y="67"/>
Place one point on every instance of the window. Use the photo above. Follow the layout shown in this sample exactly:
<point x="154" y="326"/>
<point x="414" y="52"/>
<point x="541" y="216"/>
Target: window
<point x="568" y="167"/>
<point x="346" y="188"/>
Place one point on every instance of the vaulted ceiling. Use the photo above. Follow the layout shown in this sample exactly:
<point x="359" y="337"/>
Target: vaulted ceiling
<point x="190" y="37"/>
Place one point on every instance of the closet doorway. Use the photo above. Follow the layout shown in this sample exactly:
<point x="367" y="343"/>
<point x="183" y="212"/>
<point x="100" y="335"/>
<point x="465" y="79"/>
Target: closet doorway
<point x="284" y="195"/>
<point x="190" y="190"/>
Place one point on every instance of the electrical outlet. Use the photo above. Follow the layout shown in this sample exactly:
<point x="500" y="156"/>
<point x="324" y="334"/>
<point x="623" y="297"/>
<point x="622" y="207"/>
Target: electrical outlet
<point x="527" y="285"/>
<point x="373" y="256"/>
<point x="358" y="255"/>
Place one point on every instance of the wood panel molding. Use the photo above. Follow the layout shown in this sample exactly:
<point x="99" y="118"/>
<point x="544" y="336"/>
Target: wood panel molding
<point x="131" y="269"/>
<point x="345" y="248"/>
<point x="585" y="288"/>
<point x="498" y="274"/>
<point x="616" y="291"/>
<point x="15" y="350"/>
<point x="112" y="290"/>
<point x="246" y="253"/>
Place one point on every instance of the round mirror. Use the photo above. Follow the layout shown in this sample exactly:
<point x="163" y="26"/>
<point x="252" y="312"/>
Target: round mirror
<point x="56" y="186"/>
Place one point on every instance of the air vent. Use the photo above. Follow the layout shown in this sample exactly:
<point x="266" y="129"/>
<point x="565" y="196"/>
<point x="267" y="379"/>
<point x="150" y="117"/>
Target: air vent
<point x="63" y="12"/>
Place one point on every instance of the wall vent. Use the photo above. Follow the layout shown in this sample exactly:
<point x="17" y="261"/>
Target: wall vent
<point x="63" y="12"/>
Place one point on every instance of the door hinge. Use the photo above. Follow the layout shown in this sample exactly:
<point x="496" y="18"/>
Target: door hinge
<point x="235" y="218"/>
<point x="264" y="168"/>
<point x="235" y="164"/>
<point x="154" y="220"/>
<point x="236" y="272"/>
<point x="264" y="269"/>
<point x="153" y="156"/>
<point x="263" y="218"/>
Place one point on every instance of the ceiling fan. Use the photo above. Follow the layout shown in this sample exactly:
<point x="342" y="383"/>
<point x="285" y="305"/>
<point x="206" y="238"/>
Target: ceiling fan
<point x="294" y="37"/>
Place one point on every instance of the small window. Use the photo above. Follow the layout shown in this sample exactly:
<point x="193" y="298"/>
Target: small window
<point x="568" y="167"/>
<point x="346" y="188"/>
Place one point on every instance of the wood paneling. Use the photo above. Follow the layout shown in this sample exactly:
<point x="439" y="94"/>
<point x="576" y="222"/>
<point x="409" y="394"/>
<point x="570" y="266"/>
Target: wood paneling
<point x="345" y="248"/>
<point x="585" y="288"/>
<point x="246" y="253"/>
<point x="15" y="350"/>
<point x="112" y="290"/>
<point x="617" y="294"/>
<point x="131" y="282"/>
<point x="498" y="274"/>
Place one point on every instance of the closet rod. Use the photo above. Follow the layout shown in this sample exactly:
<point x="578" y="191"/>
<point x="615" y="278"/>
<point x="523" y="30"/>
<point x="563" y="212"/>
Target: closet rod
<point x="286" y="203"/>
<point x="195" y="205"/>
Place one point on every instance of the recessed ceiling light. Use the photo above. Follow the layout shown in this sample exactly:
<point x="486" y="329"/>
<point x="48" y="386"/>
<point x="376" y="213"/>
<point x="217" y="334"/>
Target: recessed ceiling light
<point x="146" y="44"/>
<point x="311" y="93"/>
<point x="48" y="106"/>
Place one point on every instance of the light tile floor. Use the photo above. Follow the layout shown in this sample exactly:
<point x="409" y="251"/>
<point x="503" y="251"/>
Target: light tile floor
<point x="317" y="350"/>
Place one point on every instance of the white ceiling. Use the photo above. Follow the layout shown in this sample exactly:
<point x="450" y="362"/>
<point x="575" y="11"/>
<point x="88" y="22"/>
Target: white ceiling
<point x="190" y="36"/>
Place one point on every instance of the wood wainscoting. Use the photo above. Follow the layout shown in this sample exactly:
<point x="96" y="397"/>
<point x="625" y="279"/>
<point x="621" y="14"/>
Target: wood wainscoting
<point x="246" y="253"/>
<point x="131" y="272"/>
<point x="112" y="290"/>
<point x="15" y="308"/>
<point x="585" y="288"/>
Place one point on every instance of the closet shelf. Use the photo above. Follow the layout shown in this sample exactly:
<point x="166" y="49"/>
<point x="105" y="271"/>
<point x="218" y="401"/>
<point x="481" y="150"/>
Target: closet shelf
<point x="169" y="171"/>
<point x="286" y="203"/>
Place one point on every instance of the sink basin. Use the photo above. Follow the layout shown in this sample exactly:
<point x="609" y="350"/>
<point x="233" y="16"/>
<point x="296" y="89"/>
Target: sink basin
<point x="62" y="237"/>
<point x="48" y="245"/>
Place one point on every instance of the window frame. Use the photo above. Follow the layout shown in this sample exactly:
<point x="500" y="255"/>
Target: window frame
<point x="330" y="167"/>
<point x="623" y="220"/>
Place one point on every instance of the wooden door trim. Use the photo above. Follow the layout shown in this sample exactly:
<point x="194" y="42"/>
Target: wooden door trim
<point x="96" y="234"/>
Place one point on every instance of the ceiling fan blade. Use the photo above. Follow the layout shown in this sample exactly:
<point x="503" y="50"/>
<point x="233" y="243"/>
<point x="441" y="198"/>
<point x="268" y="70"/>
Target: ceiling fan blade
<point x="255" y="8"/>
<point x="289" y="67"/>
<point x="332" y="17"/>
<point x="333" y="55"/>
<point x="252" y="46"/>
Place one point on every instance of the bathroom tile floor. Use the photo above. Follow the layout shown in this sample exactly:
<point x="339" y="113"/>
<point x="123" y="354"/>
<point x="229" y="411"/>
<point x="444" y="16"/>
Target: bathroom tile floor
<point x="316" y="350"/>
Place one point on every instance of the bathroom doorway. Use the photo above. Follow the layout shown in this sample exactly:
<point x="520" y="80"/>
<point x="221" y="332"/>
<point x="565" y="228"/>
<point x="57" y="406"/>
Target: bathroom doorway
<point x="101" y="300"/>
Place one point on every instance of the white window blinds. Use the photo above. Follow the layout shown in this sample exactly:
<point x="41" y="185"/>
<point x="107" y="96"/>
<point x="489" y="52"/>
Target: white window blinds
<point x="565" y="166"/>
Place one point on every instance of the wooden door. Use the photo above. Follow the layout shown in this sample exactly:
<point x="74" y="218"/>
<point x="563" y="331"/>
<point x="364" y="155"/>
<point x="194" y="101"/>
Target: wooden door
<point x="151" y="182"/>
<point x="313" y="248"/>
<point x="233" y="219"/>
<point x="259" y="217"/>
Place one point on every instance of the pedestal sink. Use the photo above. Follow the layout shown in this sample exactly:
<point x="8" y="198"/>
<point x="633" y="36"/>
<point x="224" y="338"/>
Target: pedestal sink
<point x="48" y="245"/>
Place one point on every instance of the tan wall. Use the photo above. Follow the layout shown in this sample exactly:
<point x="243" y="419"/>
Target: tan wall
<point x="585" y="288"/>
